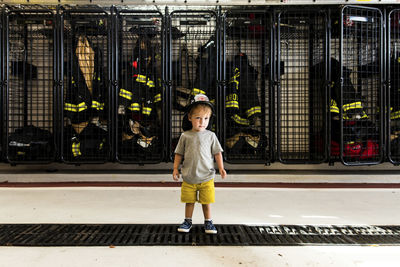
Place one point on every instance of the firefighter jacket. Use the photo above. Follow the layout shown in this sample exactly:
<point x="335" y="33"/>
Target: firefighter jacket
<point x="206" y="73"/>
<point x="242" y="103"/>
<point x="352" y="101"/>
<point x="140" y="90"/>
<point x="87" y="93"/>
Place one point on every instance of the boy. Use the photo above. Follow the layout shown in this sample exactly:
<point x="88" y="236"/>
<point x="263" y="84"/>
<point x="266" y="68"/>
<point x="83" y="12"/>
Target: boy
<point x="198" y="147"/>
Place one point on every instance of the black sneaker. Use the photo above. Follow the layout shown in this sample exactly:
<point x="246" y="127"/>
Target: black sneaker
<point x="185" y="226"/>
<point x="209" y="227"/>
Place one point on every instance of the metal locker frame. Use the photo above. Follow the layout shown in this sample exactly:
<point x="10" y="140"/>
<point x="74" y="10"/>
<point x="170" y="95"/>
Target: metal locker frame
<point x="253" y="35"/>
<point x="121" y="17"/>
<point x="84" y="15"/>
<point x="307" y="144"/>
<point x="174" y="127"/>
<point x="371" y="70"/>
<point x="31" y="16"/>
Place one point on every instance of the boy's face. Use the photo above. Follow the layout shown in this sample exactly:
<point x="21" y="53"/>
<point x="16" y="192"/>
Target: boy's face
<point x="199" y="117"/>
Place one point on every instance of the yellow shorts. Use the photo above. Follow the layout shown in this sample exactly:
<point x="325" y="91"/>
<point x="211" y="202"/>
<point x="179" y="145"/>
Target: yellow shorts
<point x="206" y="192"/>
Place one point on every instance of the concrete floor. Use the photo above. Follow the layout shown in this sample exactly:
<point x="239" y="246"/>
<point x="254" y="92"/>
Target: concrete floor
<point x="233" y="206"/>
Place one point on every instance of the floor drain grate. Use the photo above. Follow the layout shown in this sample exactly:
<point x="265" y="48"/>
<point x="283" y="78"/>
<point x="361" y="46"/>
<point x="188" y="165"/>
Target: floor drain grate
<point x="166" y="235"/>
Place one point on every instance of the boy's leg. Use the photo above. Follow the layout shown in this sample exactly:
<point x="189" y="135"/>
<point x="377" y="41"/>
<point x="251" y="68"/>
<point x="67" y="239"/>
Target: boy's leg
<point x="206" y="211"/>
<point x="189" y="207"/>
<point x="189" y="197"/>
<point x="206" y="197"/>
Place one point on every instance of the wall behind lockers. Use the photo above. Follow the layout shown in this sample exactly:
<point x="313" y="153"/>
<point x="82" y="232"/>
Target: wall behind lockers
<point x="101" y="84"/>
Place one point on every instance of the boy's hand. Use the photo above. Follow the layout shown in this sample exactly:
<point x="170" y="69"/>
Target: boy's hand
<point x="176" y="175"/>
<point x="223" y="173"/>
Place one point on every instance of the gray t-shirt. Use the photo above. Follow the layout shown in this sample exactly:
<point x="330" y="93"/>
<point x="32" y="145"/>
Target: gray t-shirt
<point x="198" y="150"/>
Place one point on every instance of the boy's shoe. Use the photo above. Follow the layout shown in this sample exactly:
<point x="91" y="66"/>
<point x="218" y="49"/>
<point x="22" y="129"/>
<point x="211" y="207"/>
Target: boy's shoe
<point x="185" y="226"/>
<point x="209" y="227"/>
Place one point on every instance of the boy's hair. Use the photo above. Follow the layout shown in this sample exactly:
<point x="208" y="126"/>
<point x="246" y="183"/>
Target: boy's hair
<point x="202" y="106"/>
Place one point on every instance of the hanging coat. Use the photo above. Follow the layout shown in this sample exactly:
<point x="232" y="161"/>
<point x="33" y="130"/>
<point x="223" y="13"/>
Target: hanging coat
<point x="140" y="91"/>
<point x="86" y="95"/>
<point x="206" y="72"/>
<point x="242" y="102"/>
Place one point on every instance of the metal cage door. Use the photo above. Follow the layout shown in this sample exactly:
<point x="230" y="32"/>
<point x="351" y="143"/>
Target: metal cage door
<point x="360" y="100"/>
<point x="86" y="101"/>
<point x="302" y="90"/>
<point x="193" y="65"/>
<point x="29" y="90"/>
<point x="247" y="40"/>
<point x="393" y="78"/>
<point x="140" y="99"/>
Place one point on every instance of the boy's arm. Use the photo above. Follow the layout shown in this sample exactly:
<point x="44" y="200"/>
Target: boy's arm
<point x="177" y="162"/>
<point x="220" y="164"/>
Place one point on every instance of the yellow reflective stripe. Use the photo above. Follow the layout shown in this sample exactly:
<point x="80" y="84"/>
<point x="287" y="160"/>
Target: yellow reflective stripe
<point x="141" y="78"/>
<point x="353" y="105"/>
<point x="395" y="115"/>
<point x="97" y="105"/>
<point x="240" y="120"/>
<point x="150" y="83"/>
<point x="76" y="149"/>
<point x="146" y="110"/>
<point x="157" y="98"/>
<point x="125" y="94"/>
<point x="134" y="107"/>
<point x="197" y="91"/>
<point x="234" y="78"/>
<point x="75" y="108"/>
<point x="232" y="104"/>
<point x="333" y="107"/>
<point x="250" y="112"/>
<point x="144" y="79"/>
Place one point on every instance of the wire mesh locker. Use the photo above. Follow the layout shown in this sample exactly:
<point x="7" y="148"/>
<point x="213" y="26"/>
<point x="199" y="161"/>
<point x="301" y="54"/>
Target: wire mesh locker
<point x="86" y="132"/>
<point x="246" y="52"/>
<point x="193" y="55"/>
<point x="357" y="104"/>
<point x="140" y="102"/>
<point x="393" y="77"/>
<point x="302" y="89"/>
<point x="30" y="89"/>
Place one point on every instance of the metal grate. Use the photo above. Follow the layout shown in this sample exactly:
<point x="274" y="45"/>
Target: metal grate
<point x="29" y="90"/>
<point x="301" y="98"/>
<point x="393" y="76"/>
<point x="194" y="61"/>
<point x="167" y="235"/>
<point x="140" y="103"/>
<point x="246" y="122"/>
<point x="86" y="129"/>
<point x="360" y="100"/>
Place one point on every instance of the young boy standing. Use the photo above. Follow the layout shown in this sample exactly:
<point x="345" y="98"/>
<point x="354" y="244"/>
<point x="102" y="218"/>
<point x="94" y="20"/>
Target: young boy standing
<point x="198" y="147"/>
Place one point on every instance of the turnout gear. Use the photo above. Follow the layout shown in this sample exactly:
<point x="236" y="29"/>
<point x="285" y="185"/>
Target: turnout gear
<point x="360" y="135"/>
<point x="30" y="143"/>
<point x="242" y="105"/>
<point x="352" y="108"/>
<point x="140" y="89"/>
<point x="139" y="99"/>
<point x="206" y="72"/>
<point x="395" y="105"/>
<point x="86" y="96"/>
<point x="90" y="140"/>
